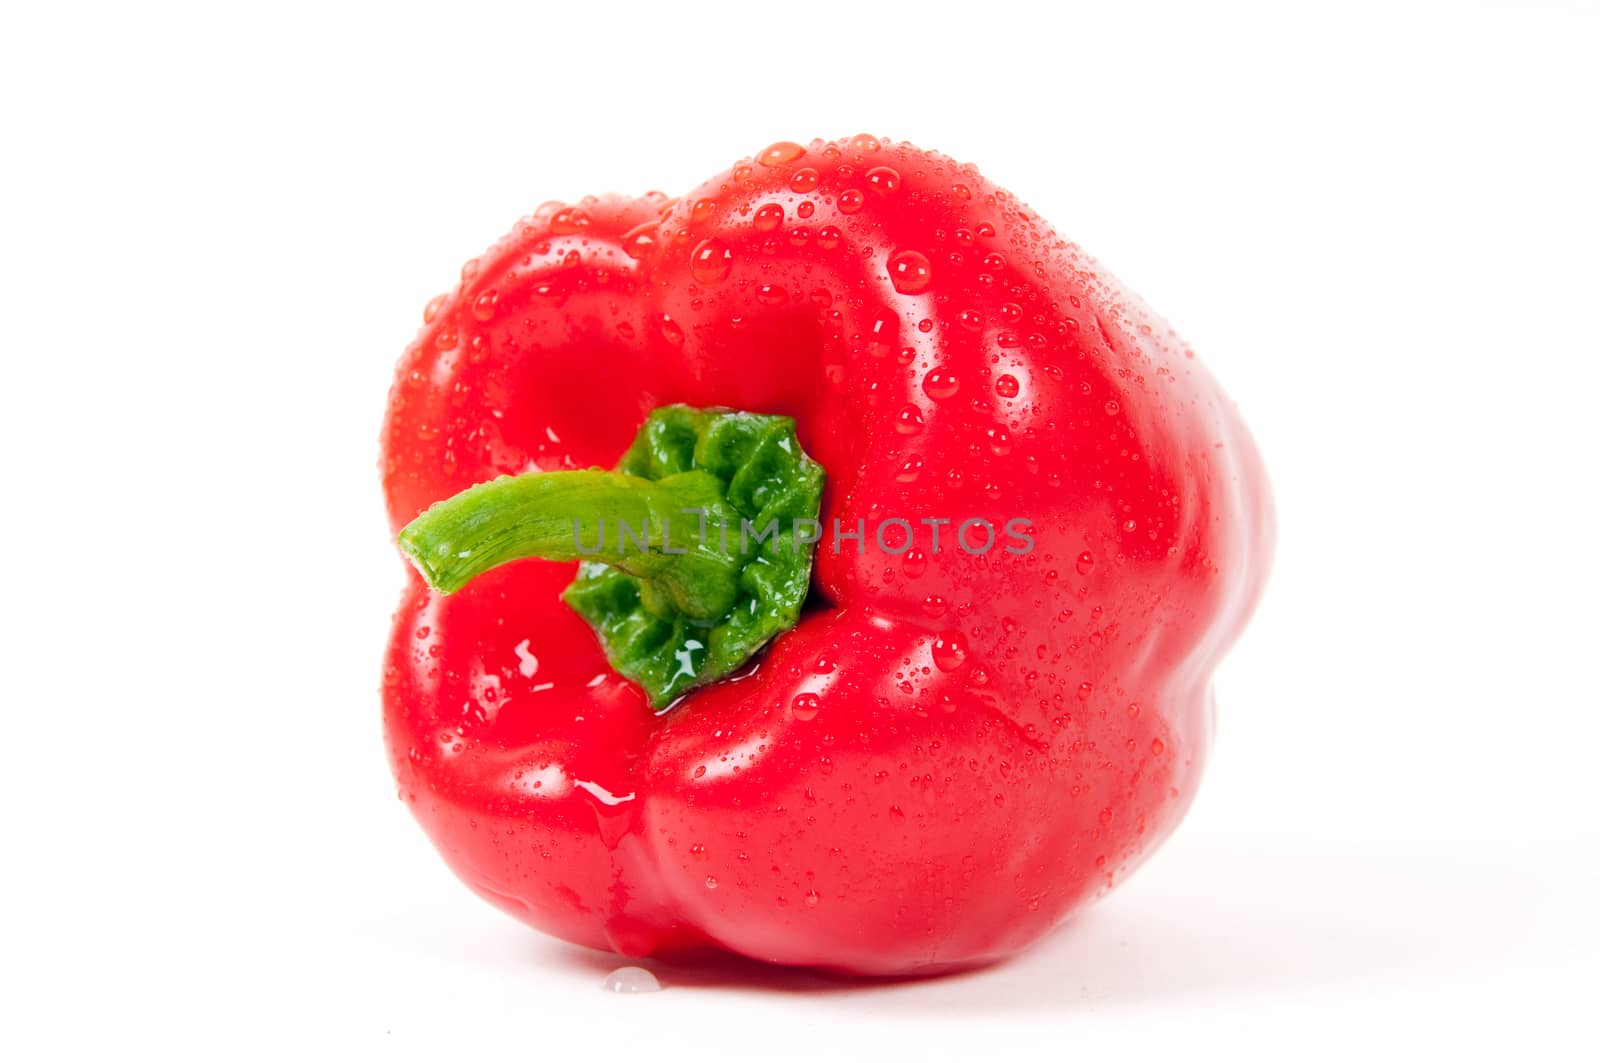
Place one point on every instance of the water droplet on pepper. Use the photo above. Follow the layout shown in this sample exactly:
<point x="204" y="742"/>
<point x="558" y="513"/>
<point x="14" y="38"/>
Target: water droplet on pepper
<point x="910" y="272"/>
<point x="883" y="180"/>
<point x="569" y="220"/>
<point x="909" y="420"/>
<point x="949" y="651"/>
<point x="671" y="331"/>
<point x="940" y="383"/>
<point x="711" y="261"/>
<point x="640" y="240"/>
<point x="784" y="151"/>
<point x="767" y="218"/>
<point x="805" y="706"/>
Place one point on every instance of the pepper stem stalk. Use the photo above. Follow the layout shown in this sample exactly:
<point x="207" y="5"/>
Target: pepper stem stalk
<point x="676" y="590"/>
<point x="653" y="529"/>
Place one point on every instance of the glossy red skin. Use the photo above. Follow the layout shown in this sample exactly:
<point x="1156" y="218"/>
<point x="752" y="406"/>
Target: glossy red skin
<point x="938" y="810"/>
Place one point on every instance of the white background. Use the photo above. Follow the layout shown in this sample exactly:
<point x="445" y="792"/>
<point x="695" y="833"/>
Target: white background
<point x="1378" y="225"/>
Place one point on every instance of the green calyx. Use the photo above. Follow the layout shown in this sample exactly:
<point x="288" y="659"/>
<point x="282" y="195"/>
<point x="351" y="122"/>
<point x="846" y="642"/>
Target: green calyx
<point x="696" y="550"/>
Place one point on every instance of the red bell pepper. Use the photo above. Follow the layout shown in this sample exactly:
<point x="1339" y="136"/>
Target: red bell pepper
<point x="927" y="755"/>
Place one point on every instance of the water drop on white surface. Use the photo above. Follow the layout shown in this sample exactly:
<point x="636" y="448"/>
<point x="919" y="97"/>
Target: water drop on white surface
<point x="631" y="980"/>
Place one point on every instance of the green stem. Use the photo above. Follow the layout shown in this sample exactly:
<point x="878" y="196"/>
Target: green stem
<point x="661" y="530"/>
<point x="697" y="548"/>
